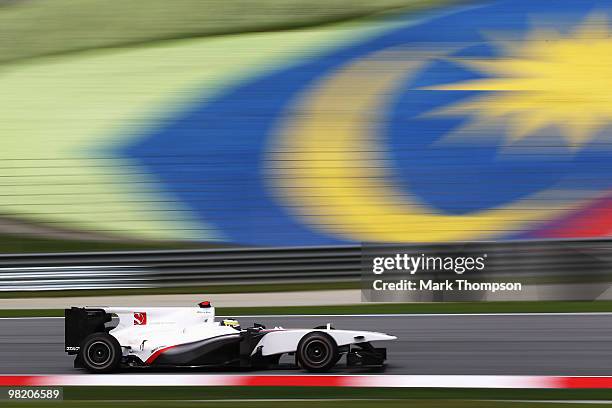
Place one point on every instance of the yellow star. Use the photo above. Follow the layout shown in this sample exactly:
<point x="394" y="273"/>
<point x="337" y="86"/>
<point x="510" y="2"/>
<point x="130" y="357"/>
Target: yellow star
<point x="547" y="80"/>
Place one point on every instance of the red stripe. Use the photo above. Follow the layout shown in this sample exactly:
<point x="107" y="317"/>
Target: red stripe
<point x="18" y="380"/>
<point x="293" y="381"/>
<point x="154" y="356"/>
<point x="585" y="382"/>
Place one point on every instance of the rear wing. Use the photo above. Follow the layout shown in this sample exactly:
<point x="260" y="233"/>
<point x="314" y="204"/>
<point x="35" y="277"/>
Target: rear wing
<point x="79" y="323"/>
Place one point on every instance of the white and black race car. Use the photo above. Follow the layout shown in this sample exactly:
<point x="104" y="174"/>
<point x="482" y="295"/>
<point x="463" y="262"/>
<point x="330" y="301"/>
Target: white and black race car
<point x="106" y="339"/>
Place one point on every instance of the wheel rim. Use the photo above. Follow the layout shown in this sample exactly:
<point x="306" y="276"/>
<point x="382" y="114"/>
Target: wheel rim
<point x="317" y="352"/>
<point x="100" y="354"/>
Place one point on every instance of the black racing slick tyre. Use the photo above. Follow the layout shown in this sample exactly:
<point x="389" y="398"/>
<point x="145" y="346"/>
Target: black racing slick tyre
<point x="317" y="352"/>
<point x="100" y="353"/>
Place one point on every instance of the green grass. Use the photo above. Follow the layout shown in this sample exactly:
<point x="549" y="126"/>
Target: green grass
<point x="31" y="313"/>
<point x="368" y="403"/>
<point x="338" y="397"/>
<point x="422" y="394"/>
<point x="16" y="244"/>
<point x="386" y="308"/>
<point x="31" y="29"/>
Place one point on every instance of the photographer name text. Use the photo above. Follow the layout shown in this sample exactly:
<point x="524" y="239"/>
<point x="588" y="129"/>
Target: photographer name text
<point x="446" y="285"/>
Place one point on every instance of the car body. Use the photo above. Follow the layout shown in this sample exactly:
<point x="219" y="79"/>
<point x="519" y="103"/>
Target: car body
<point x="105" y="339"/>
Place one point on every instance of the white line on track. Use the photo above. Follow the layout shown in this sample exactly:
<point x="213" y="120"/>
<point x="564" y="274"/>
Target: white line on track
<point x="31" y="317"/>
<point x="556" y="401"/>
<point x="252" y="400"/>
<point x="431" y="314"/>
<point x="407" y="401"/>
<point x="379" y="315"/>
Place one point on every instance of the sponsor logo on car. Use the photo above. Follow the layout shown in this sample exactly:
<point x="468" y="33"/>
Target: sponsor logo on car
<point x="140" y="318"/>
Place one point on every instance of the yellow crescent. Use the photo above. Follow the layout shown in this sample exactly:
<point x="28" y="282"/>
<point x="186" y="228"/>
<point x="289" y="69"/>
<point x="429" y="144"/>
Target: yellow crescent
<point x="326" y="165"/>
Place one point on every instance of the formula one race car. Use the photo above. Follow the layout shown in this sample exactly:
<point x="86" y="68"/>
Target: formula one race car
<point x="108" y="338"/>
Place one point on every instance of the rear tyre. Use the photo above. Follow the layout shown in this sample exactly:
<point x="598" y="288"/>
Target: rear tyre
<point x="317" y="352"/>
<point x="100" y="353"/>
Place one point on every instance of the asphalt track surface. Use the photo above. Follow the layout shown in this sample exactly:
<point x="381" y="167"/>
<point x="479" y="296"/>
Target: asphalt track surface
<point x="536" y="344"/>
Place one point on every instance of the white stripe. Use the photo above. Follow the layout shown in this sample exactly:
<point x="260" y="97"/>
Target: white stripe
<point x="433" y="314"/>
<point x="137" y="380"/>
<point x="393" y="381"/>
<point x="382" y="315"/>
<point x="452" y="381"/>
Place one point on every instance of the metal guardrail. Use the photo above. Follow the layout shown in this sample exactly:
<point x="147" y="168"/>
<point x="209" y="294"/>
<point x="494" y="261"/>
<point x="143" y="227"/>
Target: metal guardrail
<point x="542" y="261"/>
<point x="177" y="268"/>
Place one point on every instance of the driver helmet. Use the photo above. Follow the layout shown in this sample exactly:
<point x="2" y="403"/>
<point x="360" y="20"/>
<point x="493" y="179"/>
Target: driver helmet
<point x="231" y="323"/>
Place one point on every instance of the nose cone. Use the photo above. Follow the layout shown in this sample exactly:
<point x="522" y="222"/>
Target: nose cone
<point x="388" y="337"/>
<point x="375" y="336"/>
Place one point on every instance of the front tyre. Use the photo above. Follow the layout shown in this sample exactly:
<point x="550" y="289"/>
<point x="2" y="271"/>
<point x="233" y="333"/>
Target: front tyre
<point x="317" y="352"/>
<point x="100" y="353"/>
